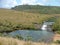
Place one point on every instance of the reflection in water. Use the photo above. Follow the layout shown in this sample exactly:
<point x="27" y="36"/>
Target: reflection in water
<point x="35" y="35"/>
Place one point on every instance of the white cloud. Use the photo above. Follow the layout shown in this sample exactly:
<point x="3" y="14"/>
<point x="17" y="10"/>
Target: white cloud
<point x="39" y="3"/>
<point x="12" y="3"/>
<point x="28" y="1"/>
<point x="31" y="2"/>
<point x="45" y="0"/>
<point x="8" y="3"/>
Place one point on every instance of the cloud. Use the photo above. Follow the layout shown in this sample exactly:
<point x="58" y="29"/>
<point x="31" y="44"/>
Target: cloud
<point x="45" y="0"/>
<point x="8" y="3"/>
<point x="39" y="4"/>
<point x="12" y="3"/>
<point x="31" y="2"/>
<point x="28" y="1"/>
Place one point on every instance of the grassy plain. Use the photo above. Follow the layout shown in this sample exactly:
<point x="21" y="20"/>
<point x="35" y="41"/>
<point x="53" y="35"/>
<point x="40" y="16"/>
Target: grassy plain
<point x="16" y="20"/>
<point x="11" y="20"/>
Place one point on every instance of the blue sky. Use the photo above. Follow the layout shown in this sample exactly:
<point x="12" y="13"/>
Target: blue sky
<point x="12" y="3"/>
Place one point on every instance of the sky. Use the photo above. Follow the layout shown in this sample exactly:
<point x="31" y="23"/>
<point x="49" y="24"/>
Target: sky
<point x="12" y="3"/>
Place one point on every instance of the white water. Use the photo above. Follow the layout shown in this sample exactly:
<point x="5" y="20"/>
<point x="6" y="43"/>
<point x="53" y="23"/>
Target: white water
<point x="47" y="26"/>
<point x="44" y="27"/>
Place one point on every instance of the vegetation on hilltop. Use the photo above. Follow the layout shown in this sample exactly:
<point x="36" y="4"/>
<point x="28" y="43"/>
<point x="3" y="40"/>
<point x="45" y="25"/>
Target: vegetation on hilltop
<point x="38" y="9"/>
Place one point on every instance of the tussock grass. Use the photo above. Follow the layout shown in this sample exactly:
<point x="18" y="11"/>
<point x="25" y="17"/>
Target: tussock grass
<point x="7" y="41"/>
<point x="11" y="41"/>
<point x="56" y="26"/>
<point x="16" y="20"/>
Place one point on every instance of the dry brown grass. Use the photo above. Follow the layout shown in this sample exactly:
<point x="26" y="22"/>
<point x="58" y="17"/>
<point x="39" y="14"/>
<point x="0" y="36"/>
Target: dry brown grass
<point x="27" y="20"/>
<point x="56" y="37"/>
<point x="11" y="41"/>
<point x="21" y="17"/>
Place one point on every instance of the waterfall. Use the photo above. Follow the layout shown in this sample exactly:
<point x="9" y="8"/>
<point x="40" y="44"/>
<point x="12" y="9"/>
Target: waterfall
<point x="44" y="27"/>
<point x="47" y="26"/>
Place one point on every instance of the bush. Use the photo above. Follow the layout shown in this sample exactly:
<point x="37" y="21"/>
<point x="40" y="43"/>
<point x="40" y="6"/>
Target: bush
<point x="19" y="37"/>
<point x="58" y="41"/>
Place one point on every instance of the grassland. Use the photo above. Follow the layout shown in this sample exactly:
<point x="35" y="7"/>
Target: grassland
<point x="16" y="20"/>
<point x="11" y="20"/>
<point x="12" y="41"/>
<point x="38" y="9"/>
<point x="56" y="26"/>
<point x="53" y="11"/>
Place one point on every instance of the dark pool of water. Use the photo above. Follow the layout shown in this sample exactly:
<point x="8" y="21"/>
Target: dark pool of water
<point x="35" y="35"/>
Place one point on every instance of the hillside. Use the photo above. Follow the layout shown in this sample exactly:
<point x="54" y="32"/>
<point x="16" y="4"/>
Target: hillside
<point x="11" y="20"/>
<point x="38" y="9"/>
<point x="16" y="20"/>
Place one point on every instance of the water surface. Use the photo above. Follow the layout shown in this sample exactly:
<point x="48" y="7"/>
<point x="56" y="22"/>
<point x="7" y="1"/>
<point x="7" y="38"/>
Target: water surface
<point x="45" y="36"/>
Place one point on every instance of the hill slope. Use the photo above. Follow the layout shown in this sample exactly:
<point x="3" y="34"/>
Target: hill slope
<point x="38" y="9"/>
<point x="11" y="20"/>
<point x="16" y="20"/>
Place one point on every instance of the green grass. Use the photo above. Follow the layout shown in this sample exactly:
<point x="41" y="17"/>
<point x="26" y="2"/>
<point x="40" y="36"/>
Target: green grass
<point x="56" y="26"/>
<point x="53" y="11"/>
<point x="58" y="41"/>
<point x="38" y="9"/>
<point x="16" y="20"/>
<point x="11" y="20"/>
